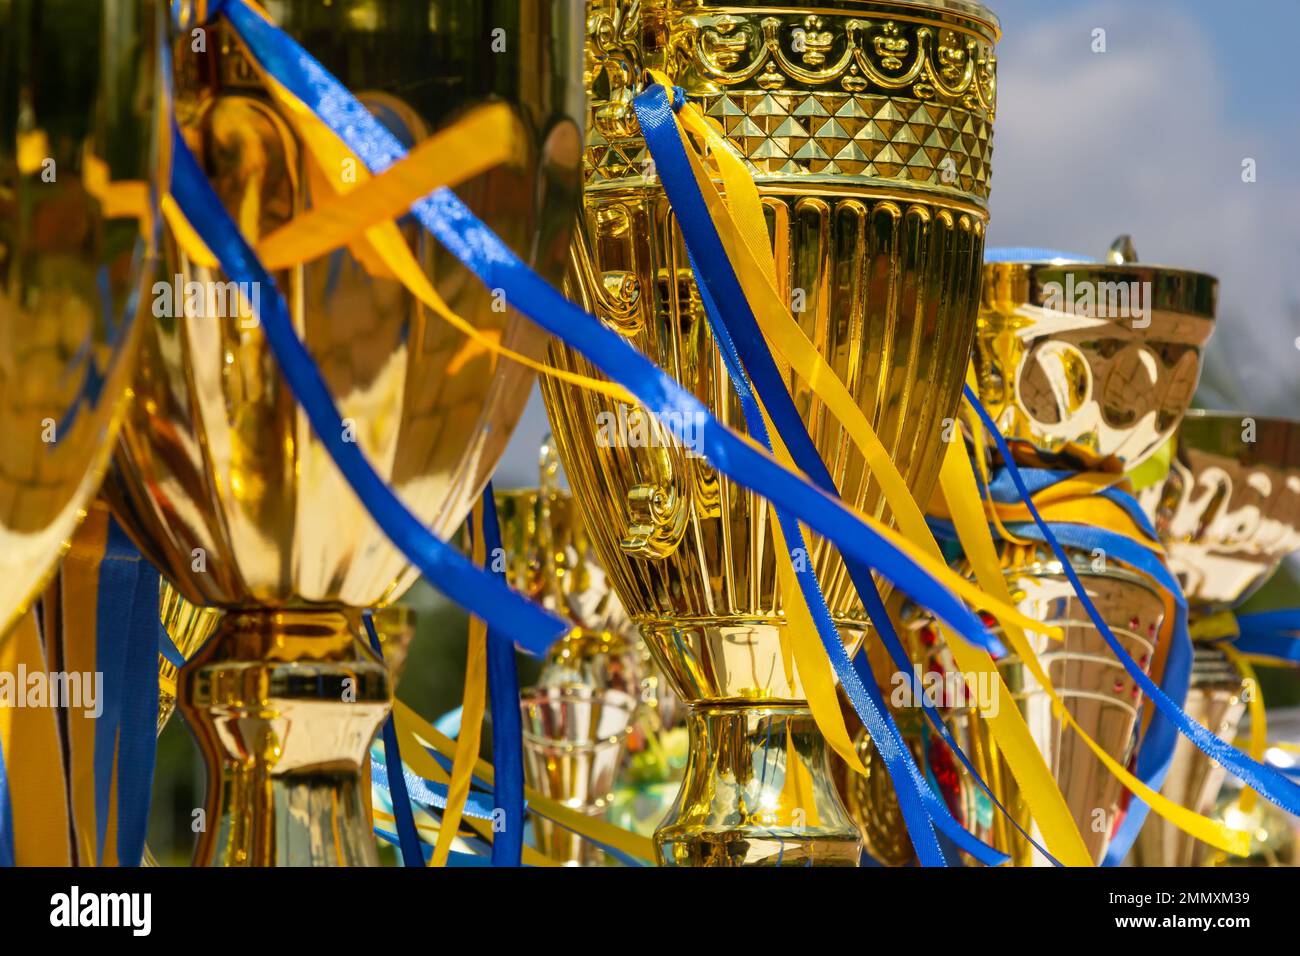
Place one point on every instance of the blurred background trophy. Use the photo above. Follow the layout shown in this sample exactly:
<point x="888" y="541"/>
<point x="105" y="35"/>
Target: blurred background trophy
<point x="867" y="126"/>
<point x="219" y="478"/>
<point x="1274" y="833"/>
<point x="1228" y="513"/>
<point x="79" y="140"/>
<point x="1082" y="387"/>
<point x="599" y="699"/>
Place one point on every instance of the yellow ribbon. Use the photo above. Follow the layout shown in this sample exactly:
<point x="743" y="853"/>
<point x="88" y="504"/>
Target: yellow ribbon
<point x="417" y="733"/>
<point x="33" y="756"/>
<point x="972" y="527"/>
<point x="471" y="723"/>
<point x="1258" y="718"/>
<point x="742" y="228"/>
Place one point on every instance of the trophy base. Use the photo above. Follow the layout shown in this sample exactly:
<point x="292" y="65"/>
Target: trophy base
<point x="757" y="791"/>
<point x="283" y="705"/>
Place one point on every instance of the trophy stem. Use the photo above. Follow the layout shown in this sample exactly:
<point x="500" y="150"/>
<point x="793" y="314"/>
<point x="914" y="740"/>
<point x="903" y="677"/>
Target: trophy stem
<point x="284" y="704"/>
<point x="757" y="792"/>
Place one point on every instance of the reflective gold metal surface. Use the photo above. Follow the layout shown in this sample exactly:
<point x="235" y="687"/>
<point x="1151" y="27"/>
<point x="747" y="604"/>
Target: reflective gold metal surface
<point x="574" y="740"/>
<point x="395" y="627"/>
<point x="188" y="627"/>
<point x="867" y="127"/>
<point x="78" y="141"/>
<point x="1217" y="700"/>
<point x="220" y="479"/>
<point x="1098" y="692"/>
<point x="1229" y="510"/>
<point x="1091" y="386"/>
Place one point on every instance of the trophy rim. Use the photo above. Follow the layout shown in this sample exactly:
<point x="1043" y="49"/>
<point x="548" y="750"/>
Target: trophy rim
<point x="972" y="9"/>
<point x="1203" y="301"/>
<point x="1155" y="269"/>
<point x="1216" y="421"/>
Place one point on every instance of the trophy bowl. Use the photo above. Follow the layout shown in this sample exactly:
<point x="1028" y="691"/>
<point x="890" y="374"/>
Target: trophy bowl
<point x="79" y="139"/>
<point x="1228" y="513"/>
<point x="1091" y="365"/>
<point x="1088" y="367"/>
<point x="867" y="128"/>
<point x="219" y="477"/>
<point x="574" y="742"/>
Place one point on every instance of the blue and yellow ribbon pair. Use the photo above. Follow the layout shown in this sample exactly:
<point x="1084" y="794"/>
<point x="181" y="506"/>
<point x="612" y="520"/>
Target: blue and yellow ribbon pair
<point x="1093" y="512"/>
<point x="77" y="774"/>
<point x="332" y="120"/>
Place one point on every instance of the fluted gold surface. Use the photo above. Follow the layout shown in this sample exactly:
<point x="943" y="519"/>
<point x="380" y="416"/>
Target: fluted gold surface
<point x="78" y="141"/>
<point x="867" y="128"/>
<point x="219" y="477"/>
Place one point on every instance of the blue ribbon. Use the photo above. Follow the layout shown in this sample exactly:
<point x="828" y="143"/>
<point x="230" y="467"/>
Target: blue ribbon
<point x="126" y="653"/>
<point x="1274" y="634"/>
<point x="1265" y="780"/>
<point x="422" y="792"/>
<point x="507" y="724"/>
<point x="745" y="352"/>
<point x="6" y="816"/>
<point x="137" y="742"/>
<point x="402" y="813"/>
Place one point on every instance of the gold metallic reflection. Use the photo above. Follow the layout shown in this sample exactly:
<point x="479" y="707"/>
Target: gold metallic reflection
<point x="78" y="141"/>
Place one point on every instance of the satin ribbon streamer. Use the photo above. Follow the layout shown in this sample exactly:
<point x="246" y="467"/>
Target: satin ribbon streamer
<point x="408" y="835"/>
<point x="1265" y="780"/>
<point x="464" y="235"/>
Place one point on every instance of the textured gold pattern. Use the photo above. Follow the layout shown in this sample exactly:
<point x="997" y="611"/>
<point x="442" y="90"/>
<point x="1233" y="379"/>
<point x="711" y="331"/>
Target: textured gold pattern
<point x="887" y="267"/>
<point x="809" y="95"/>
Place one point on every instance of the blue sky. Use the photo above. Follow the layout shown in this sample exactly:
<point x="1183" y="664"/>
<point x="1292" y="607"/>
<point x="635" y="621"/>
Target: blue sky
<point x="1148" y="138"/>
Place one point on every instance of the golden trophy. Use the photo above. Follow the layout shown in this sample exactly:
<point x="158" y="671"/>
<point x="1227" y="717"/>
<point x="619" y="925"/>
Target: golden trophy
<point x="219" y="477"/>
<point x="549" y="557"/>
<point x="1087" y="367"/>
<point x="79" y="139"/>
<point x="574" y="743"/>
<point x="867" y="128"/>
<point x="1228" y="513"/>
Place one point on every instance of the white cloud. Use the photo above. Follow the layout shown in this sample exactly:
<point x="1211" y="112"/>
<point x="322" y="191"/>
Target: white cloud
<point x="1142" y="139"/>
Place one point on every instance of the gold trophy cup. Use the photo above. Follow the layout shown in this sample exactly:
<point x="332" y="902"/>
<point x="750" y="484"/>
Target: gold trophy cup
<point x="79" y="139"/>
<point x="867" y="128"/>
<point x="1228" y="513"/>
<point x="578" y="718"/>
<point x="1086" y="366"/>
<point x="220" y="479"/>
